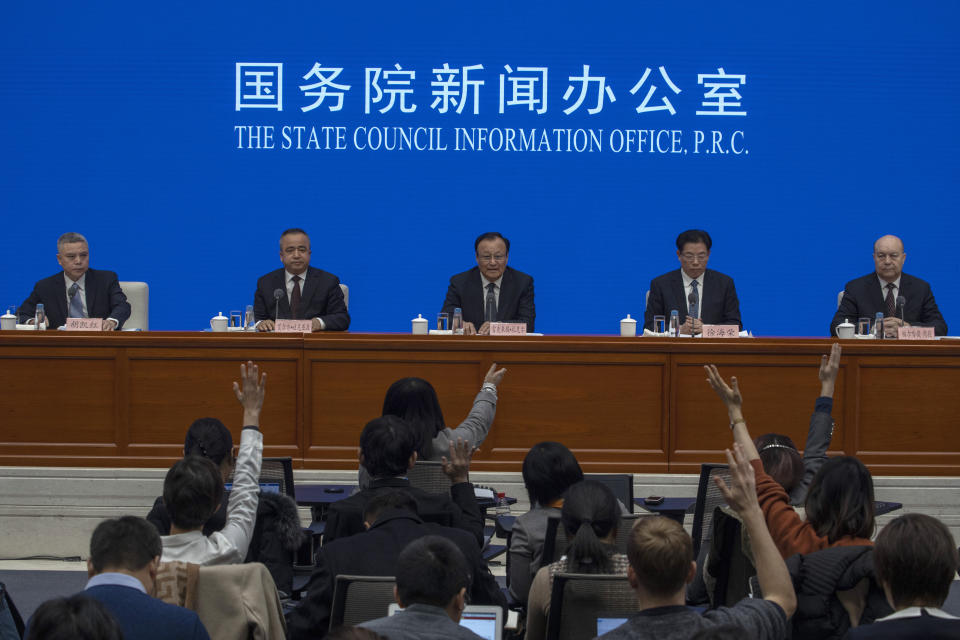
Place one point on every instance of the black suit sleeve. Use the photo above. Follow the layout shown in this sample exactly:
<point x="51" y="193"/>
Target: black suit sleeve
<point x="453" y="300"/>
<point x="119" y="307"/>
<point x="526" y="310"/>
<point x="848" y="310"/>
<point x="930" y="315"/>
<point x="654" y="305"/>
<point x="312" y="618"/>
<point x="28" y="308"/>
<point x="260" y="308"/>
<point x="467" y="514"/>
<point x="336" y="317"/>
<point x="731" y="307"/>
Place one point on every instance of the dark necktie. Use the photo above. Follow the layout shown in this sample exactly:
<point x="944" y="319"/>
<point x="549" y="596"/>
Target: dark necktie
<point x="891" y="302"/>
<point x="295" y="298"/>
<point x="490" y="315"/>
<point x="76" y="304"/>
<point x="694" y="299"/>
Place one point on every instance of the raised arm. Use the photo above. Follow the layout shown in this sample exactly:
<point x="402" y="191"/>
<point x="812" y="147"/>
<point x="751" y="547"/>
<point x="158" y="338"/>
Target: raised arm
<point x="775" y="582"/>
<point x="821" y="424"/>
<point x="733" y="399"/>
<point x="468" y="515"/>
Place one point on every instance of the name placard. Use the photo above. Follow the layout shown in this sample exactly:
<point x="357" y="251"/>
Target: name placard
<point x="84" y="324"/>
<point x="721" y="331"/>
<point x="915" y="333"/>
<point x="508" y="328"/>
<point x="293" y="326"/>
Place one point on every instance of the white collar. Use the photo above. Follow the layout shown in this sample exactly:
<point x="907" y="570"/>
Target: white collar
<point x="497" y="282"/>
<point x="913" y="612"/>
<point x="115" y="579"/>
<point x="895" y="283"/>
<point x="287" y="276"/>
<point x="80" y="283"/>
<point x="687" y="279"/>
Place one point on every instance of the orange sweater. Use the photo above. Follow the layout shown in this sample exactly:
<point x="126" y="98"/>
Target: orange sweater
<point x="791" y="534"/>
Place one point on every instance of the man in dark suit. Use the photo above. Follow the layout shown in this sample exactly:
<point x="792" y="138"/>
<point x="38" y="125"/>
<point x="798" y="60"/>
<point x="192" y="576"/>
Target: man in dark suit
<point x="388" y="449"/>
<point x="392" y="523"/>
<point x="124" y="557"/>
<point x="303" y="292"/>
<point x="700" y="295"/>
<point x="78" y="291"/>
<point x="491" y="291"/>
<point x="903" y="299"/>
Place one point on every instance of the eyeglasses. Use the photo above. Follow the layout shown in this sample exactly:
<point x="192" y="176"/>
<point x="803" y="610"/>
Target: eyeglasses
<point x="496" y="258"/>
<point x="690" y="257"/>
<point x="884" y="256"/>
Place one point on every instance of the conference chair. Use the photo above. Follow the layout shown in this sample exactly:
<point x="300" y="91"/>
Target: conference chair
<point x="708" y="499"/>
<point x="138" y="295"/>
<point x="578" y="600"/>
<point x="428" y="475"/>
<point x="839" y="299"/>
<point x="555" y="541"/>
<point x="346" y="295"/>
<point x="729" y="570"/>
<point x="277" y="473"/>
<point x="358" y="599"/>
<point x="621" y="484"/>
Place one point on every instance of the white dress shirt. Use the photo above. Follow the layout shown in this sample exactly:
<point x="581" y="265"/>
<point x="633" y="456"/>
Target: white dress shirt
<point x="82" y="292"/>
<point x="115" y="579"/>
<point x="496" y="291"/>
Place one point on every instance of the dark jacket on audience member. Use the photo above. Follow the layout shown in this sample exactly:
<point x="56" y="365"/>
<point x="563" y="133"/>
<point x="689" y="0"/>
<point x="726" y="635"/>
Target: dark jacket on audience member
<point x="817" y="579"/>
<point x="345" y="518"/>
<point x="374" y="553"/>
<point x="142" y="617"/>
<point x="277" y="534"/>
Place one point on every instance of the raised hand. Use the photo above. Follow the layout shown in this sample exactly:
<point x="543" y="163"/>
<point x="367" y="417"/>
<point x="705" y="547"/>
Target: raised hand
<point x="741" y="495"/>
<point x="730" y="394"/>
<point x="250" y="392"/>
<point x="457" y="467"/>
<point x="494" y="376"/>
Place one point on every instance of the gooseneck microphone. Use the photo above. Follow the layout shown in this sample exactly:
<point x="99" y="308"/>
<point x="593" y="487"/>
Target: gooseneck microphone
<point x="277" y="294"/>
<point x="901" y="303"/>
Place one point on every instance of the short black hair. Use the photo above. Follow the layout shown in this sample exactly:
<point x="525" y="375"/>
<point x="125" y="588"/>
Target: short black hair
<point x="294" y="230"/>
<point x="840" y="500"/>
<point x="549" y="469"/>
<point x="394" y="499"/>
<point x="431" y="570"/>
<point x="916" y="557"/>
<point x="127" y="543"/>
<point x="387" y="443"/>
<point x="415" y="400"/>
<point x="209" y="438"/>
<point x="78" y="617"/>
<point x="491" y="235"/>
<point x="192" y="491"/>
<point x="694" y="236"/>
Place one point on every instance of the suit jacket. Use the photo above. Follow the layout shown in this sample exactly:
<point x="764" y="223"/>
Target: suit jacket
<point x="105" y="299"/>
<point x="345" y="518"/>
<point x="320" y="297"/>
<point x="863" y="298"/>
<point x="515" y="304"/>
<point x="718" y="304"/>
<point x="374" y="553"/>
<point x="420" y="622"/>
<point x="145" y="618"/>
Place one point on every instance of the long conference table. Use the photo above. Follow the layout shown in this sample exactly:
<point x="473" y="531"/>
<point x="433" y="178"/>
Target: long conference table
<point x="638" y="405"/>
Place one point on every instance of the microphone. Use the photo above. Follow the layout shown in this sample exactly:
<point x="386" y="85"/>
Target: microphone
<point x="901" y="303"/>
<point x="277" y="294"/>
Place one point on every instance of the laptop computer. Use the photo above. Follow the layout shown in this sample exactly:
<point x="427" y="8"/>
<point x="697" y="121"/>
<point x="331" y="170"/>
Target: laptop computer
<point x="484" y="620"/>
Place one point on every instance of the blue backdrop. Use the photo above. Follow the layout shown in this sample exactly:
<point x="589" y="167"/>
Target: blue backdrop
<point x="147" y="128"/>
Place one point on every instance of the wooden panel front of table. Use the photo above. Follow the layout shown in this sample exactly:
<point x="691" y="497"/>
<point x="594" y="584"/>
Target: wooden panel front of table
<point x="621" y="404"/>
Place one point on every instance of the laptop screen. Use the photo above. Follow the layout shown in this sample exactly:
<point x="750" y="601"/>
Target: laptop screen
<point x="483" y="620"/>
<point x="266" y="487"/>
<point x="608" y="624"/>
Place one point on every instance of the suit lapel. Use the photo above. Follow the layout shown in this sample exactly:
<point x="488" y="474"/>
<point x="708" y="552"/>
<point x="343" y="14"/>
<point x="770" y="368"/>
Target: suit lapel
<point x="475" y="292"/>
<point x="284" y="309"/>
<point x="60" y="290"/>
<point x="681" y="296"/>
<point x="506" y="291"/>
<point x="308" y="288"/>
<point x="90" y="291"/>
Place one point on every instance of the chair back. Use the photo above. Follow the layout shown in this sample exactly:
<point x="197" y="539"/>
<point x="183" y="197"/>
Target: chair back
<point x="428" y="476"/>
<point x="358" y="599"/>
<point x="577" y="600"/>
<point x="138" y="295"/>
<point x="346" y="295"/>
<point x="728" y="565"/>
<point x="621" y="484"/>
<point x="555" y="542"/>
<point x="278" y="471"/>
<point x="839" y="299"/>
<point x="708" y="499"/>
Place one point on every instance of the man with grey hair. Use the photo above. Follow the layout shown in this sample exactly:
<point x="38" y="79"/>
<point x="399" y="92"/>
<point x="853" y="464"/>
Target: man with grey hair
<point x="78" y="291"/>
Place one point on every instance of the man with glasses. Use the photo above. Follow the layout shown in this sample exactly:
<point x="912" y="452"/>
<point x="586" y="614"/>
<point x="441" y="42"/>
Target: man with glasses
<point x="904" y="299"/>
<point x="700" y="295"/>
<point x="491" y="291"/>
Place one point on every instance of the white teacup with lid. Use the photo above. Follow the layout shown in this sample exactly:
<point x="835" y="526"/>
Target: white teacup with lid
<point x="218" y="322"/>
<point x="628" y="327"/>
<point x="845" y="330"/>
<point x="419" y="325"/>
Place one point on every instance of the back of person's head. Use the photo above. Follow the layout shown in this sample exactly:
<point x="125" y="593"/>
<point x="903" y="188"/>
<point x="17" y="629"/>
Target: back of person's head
<point x="386" y="444"/>
<point x="780" y="459"/>
<point x="347" y="632"/>
<point x="127" y="543"/>
<point x="590" y="513"/>
<point x="415" y="400"/>
<point x="549" y="469"/>
<point x="916" y="557"/>
<point x="728" y="631"/>
<point x="431" y="570"/>
<point x="693" y="236"/>
<point x="78" y="617"/>
<point x="209" y="438"/>
<point x="660" y="553"/>
<point x="840" y="500"/>
<point x="395" y="499"/>
<point x="192" y="491"/>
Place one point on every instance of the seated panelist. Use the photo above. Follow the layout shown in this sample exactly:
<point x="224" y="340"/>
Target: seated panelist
<point x="905" y="300"/>
<point x="700" y="295"/>
<point x="78" y="291"/>
<point x="299" y="291"/>
<point x="491" y="291"/>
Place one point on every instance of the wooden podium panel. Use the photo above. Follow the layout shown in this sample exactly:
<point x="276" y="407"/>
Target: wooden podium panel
<point x="621" y="404"/>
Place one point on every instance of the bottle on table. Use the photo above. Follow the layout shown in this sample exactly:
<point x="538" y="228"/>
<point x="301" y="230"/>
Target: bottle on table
<point x="457" y="322"/>
<point x="40" y="316"/>
<point x="674" y="323"/>
<point x="503" y="508"/>
<point x="878" y="325"/>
